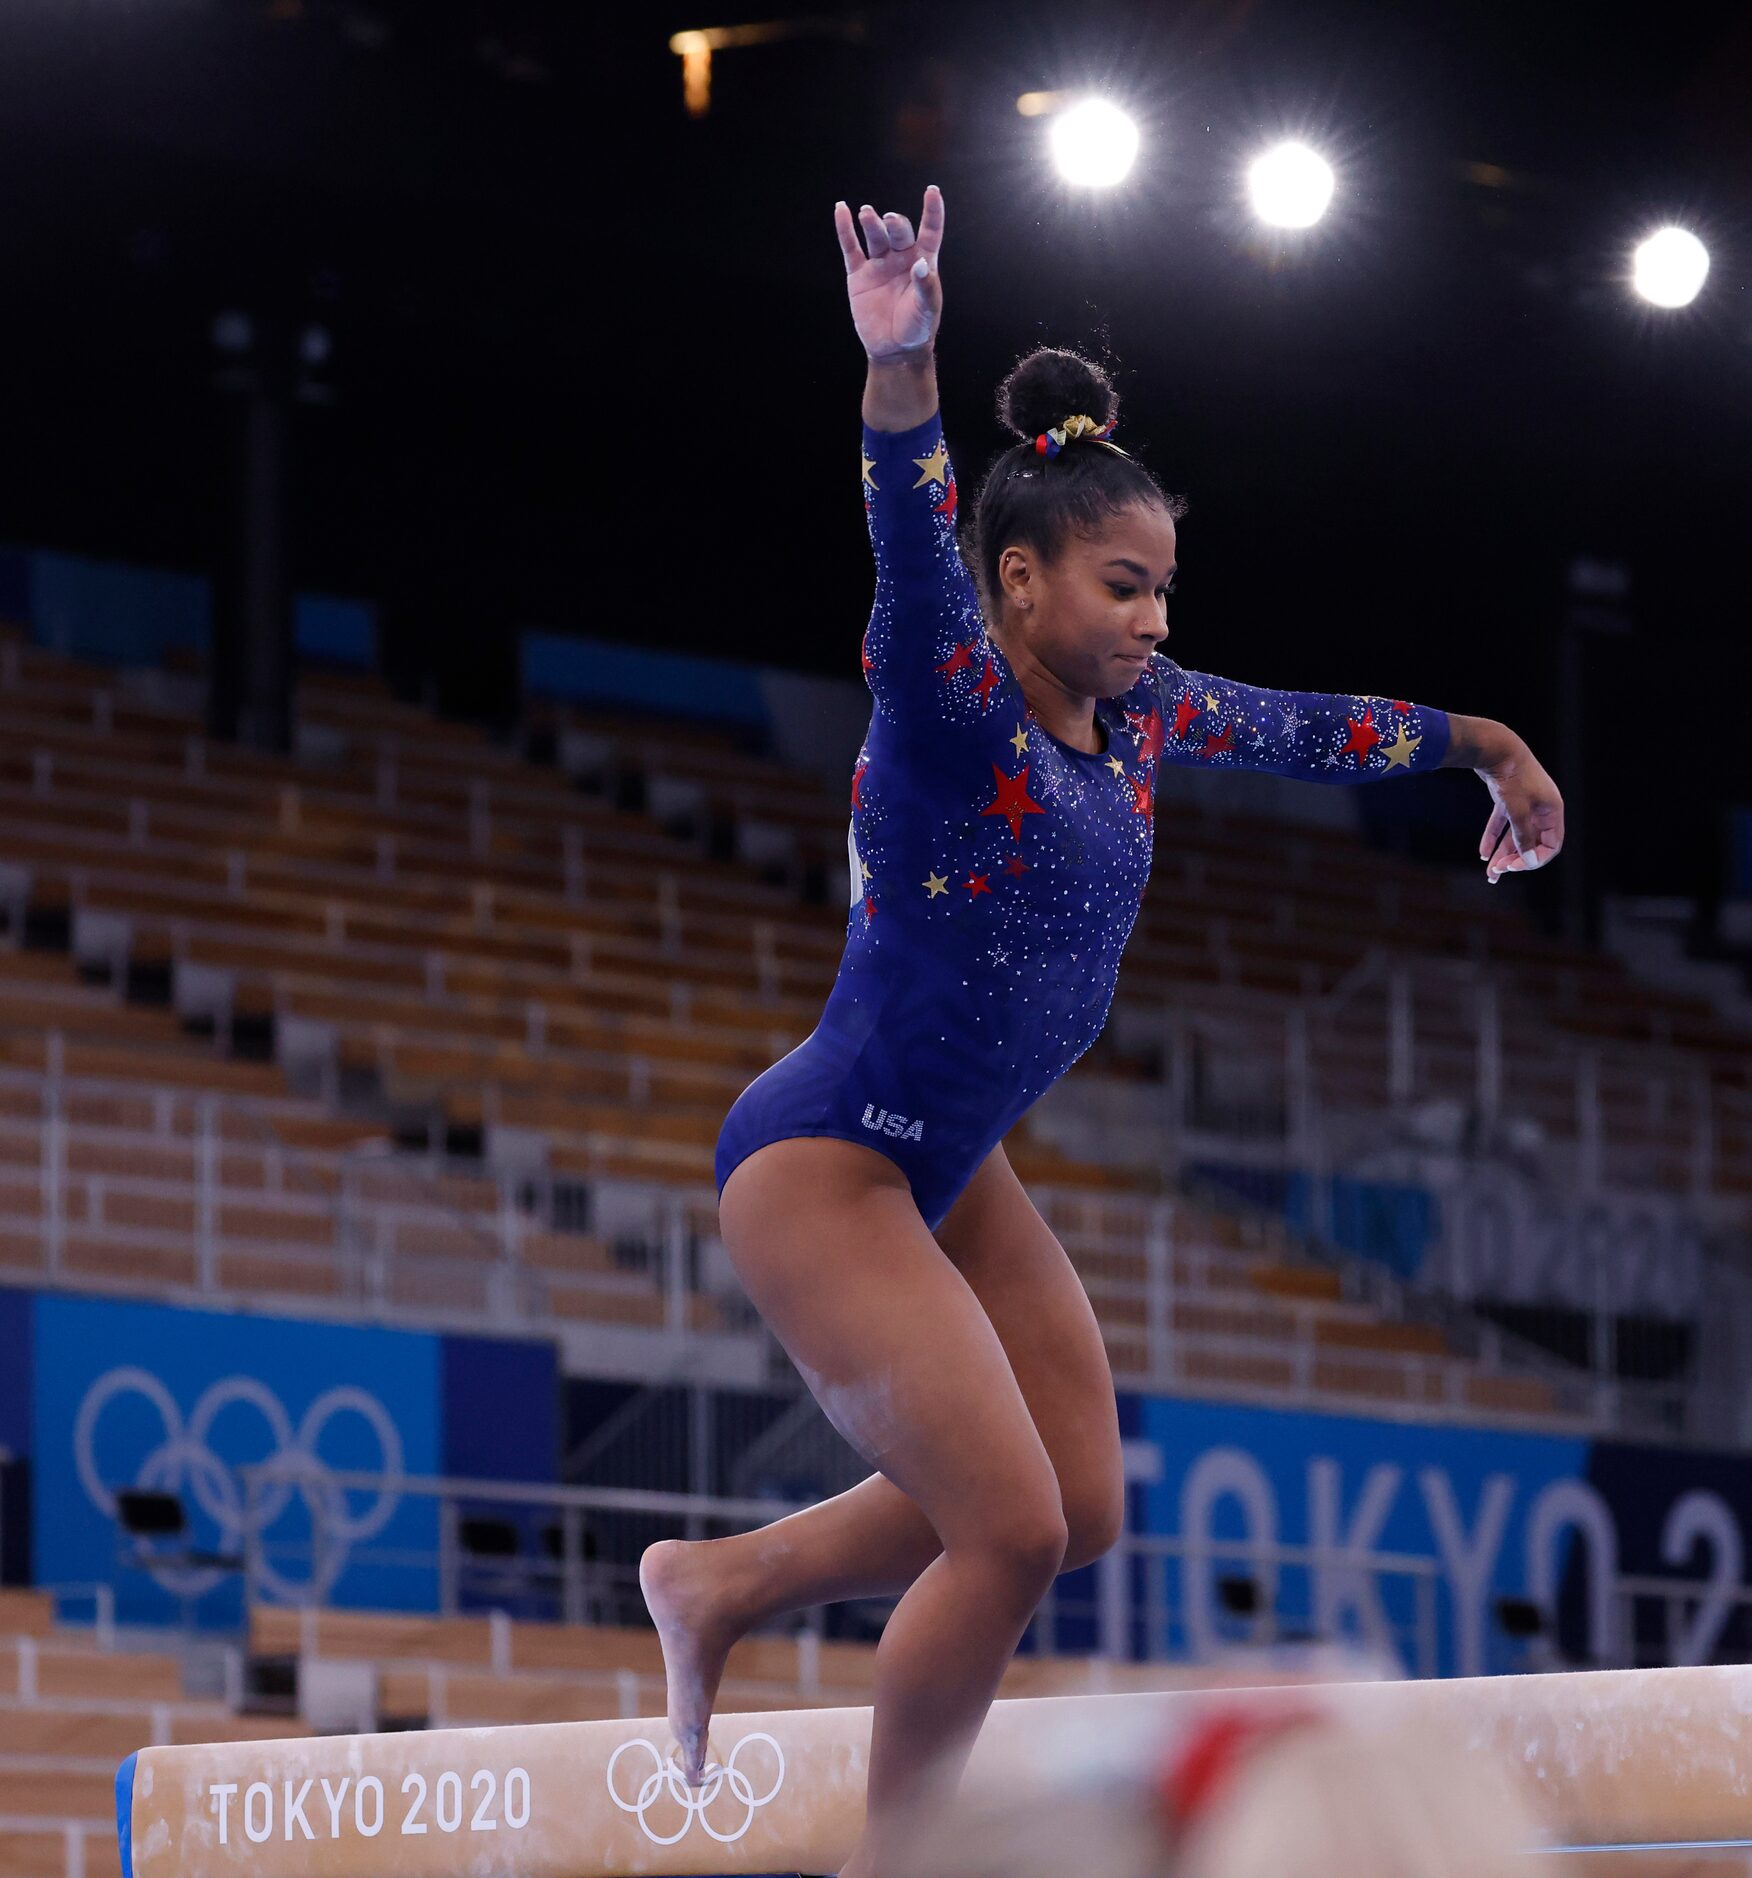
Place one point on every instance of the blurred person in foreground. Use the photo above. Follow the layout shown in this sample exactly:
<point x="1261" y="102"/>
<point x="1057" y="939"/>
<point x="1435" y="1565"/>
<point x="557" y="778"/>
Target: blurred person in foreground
<point x="1247" y="1790"/>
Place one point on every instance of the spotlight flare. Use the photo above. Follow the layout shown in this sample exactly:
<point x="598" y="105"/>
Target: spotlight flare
<point x="1290" y="185"/>
<point x="1669" y="267"/>
<point x="1094" y="143"/>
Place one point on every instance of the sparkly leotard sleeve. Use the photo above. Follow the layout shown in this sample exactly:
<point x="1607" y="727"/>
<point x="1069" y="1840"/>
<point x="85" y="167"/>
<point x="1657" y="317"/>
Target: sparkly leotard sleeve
<point x="996" y="871"/>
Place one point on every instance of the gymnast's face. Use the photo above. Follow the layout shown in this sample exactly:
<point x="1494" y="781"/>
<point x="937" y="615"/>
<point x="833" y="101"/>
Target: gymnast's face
<point x="1093" y="617"/>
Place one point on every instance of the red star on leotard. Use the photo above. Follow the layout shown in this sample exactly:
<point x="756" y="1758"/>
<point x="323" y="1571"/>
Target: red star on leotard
<point x="1215" y="742"/>
<point x="958" y="661"/>
<point x="864" y="652"/>
<point x="1184" y="712"/>
<point x="858" y="783"/>
<point x="1143" y="795"/>
<point x="1015" y="867"/>
<point x="1363" y="737"/>
<point x="946" y="508"/>
<point x="976" y="885"/>
<point x="1149" y="733"/>
<point x="988" y="683"/>
<point x="1400" y="706"/>
<point x="1013" y="800"/>
<point x="869" y="907"/>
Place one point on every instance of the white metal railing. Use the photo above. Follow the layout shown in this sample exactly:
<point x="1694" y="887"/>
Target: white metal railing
<point x="1695" y="1615"/>
<point x="572" y="1586"/>
<point x="1405" y="1591"/>
<point x="102" y="1598"/>
<point x="1442" y="1103"/>
<point x="1407" y="1383"/>
<point x="1157" y="1596"/>
<point x="1294" y="1047"/>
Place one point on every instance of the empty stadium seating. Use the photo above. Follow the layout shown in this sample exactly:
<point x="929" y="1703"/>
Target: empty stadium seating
<point x="411" y="934"/>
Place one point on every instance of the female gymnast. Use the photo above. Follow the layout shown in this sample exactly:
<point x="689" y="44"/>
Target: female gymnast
<point x="1001" y="831"/>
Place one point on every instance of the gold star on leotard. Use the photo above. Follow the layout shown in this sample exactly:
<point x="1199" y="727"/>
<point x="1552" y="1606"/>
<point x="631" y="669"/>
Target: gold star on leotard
<point x="935" y="466"/>
<point x="869" y="463"/>
<point x="865" y="865"/>
<point x="1210" y="701"/>
<point x="1400" y="752"/>
<point x="1114" y="764"/>
<point x="1019" y="742"/>
<point x="937" y="883"/>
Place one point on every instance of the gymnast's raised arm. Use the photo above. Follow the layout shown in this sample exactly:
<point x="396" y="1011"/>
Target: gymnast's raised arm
<point x="925" y="624"/>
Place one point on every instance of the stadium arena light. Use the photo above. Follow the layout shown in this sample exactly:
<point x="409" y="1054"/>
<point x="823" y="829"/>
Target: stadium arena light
<point x="1668" y="267"/>
<point x="1094" y="143"/>
<point x="695" y="48"/>
<point x="1290" y="186"/>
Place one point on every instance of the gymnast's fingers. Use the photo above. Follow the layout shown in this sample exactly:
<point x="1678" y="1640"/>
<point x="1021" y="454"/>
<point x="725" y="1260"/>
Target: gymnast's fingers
<point x="1502" y="851"/>
<point x="1493" y="831"/>
<point x="900" y="230"/>
<point x="1538" y="835"/>
<point x="931" y="224"/>
<point x="847" y="231"/>
<point x="875" y="232"/>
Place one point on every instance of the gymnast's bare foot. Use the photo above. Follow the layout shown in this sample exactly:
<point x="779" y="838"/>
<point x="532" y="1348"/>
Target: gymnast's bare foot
<point x="686" y="1596"/>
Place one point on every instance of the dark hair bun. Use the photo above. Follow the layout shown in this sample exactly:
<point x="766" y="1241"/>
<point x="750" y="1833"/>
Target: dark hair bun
<point x="1050" y="385"/>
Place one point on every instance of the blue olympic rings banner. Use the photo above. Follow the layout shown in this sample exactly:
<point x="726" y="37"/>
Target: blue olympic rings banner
<point x="150" y="1396"/>
<point x="132" y="1395"/>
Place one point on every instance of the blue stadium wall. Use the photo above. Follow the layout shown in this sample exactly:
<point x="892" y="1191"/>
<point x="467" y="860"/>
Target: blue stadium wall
<point x="115" y="614"/>
<point x="1487" y="1514"/>
<point x="97" y="1394"/>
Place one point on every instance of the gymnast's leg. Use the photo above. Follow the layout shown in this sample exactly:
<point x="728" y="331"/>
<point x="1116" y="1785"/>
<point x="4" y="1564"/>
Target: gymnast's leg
<point x="904" y="1361"/>
<point x="872" y="1540"/>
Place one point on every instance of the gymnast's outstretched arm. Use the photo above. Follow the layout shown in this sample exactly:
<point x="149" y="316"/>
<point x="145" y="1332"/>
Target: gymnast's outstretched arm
<point x="1350" y="737"/>
<point x="1341" y="737"/>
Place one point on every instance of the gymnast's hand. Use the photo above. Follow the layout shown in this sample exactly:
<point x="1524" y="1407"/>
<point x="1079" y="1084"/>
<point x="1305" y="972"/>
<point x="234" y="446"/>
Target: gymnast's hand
<point x="1525" y="829"/>
<point x="895" y="290"/>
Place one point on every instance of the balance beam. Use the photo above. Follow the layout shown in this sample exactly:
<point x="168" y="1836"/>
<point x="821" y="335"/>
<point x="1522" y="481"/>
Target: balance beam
<point x="1619" y="1758"/>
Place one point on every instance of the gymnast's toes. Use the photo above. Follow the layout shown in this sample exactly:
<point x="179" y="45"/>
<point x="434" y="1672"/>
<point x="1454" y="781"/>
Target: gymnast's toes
<point x="678" y="1594"/>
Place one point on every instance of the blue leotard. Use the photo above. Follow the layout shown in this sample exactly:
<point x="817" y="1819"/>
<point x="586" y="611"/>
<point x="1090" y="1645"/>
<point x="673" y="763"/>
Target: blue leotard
<point x="996" y="871"/>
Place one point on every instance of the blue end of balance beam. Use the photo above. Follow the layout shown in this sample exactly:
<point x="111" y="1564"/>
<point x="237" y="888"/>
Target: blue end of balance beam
<point x="125" y="1813"/>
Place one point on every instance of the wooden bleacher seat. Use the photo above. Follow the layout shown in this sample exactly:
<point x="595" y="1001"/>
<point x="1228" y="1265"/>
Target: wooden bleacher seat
<point x="477" y="1701"/>
<point x="35" y="1852"/>
<point x="28" y="1792"/>
<point x="26" y="1613"/>
<point x="64" y="1669"/>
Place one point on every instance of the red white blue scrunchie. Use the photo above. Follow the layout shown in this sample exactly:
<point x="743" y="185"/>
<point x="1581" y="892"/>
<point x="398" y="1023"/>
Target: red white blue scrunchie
<point x="1080" y="429"/>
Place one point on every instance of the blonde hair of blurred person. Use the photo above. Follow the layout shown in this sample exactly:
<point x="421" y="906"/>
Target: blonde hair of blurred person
<point x="1324" y="1800"/>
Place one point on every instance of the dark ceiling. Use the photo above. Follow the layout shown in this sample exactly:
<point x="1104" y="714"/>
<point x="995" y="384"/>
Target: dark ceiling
<point x="592" y="367"/>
